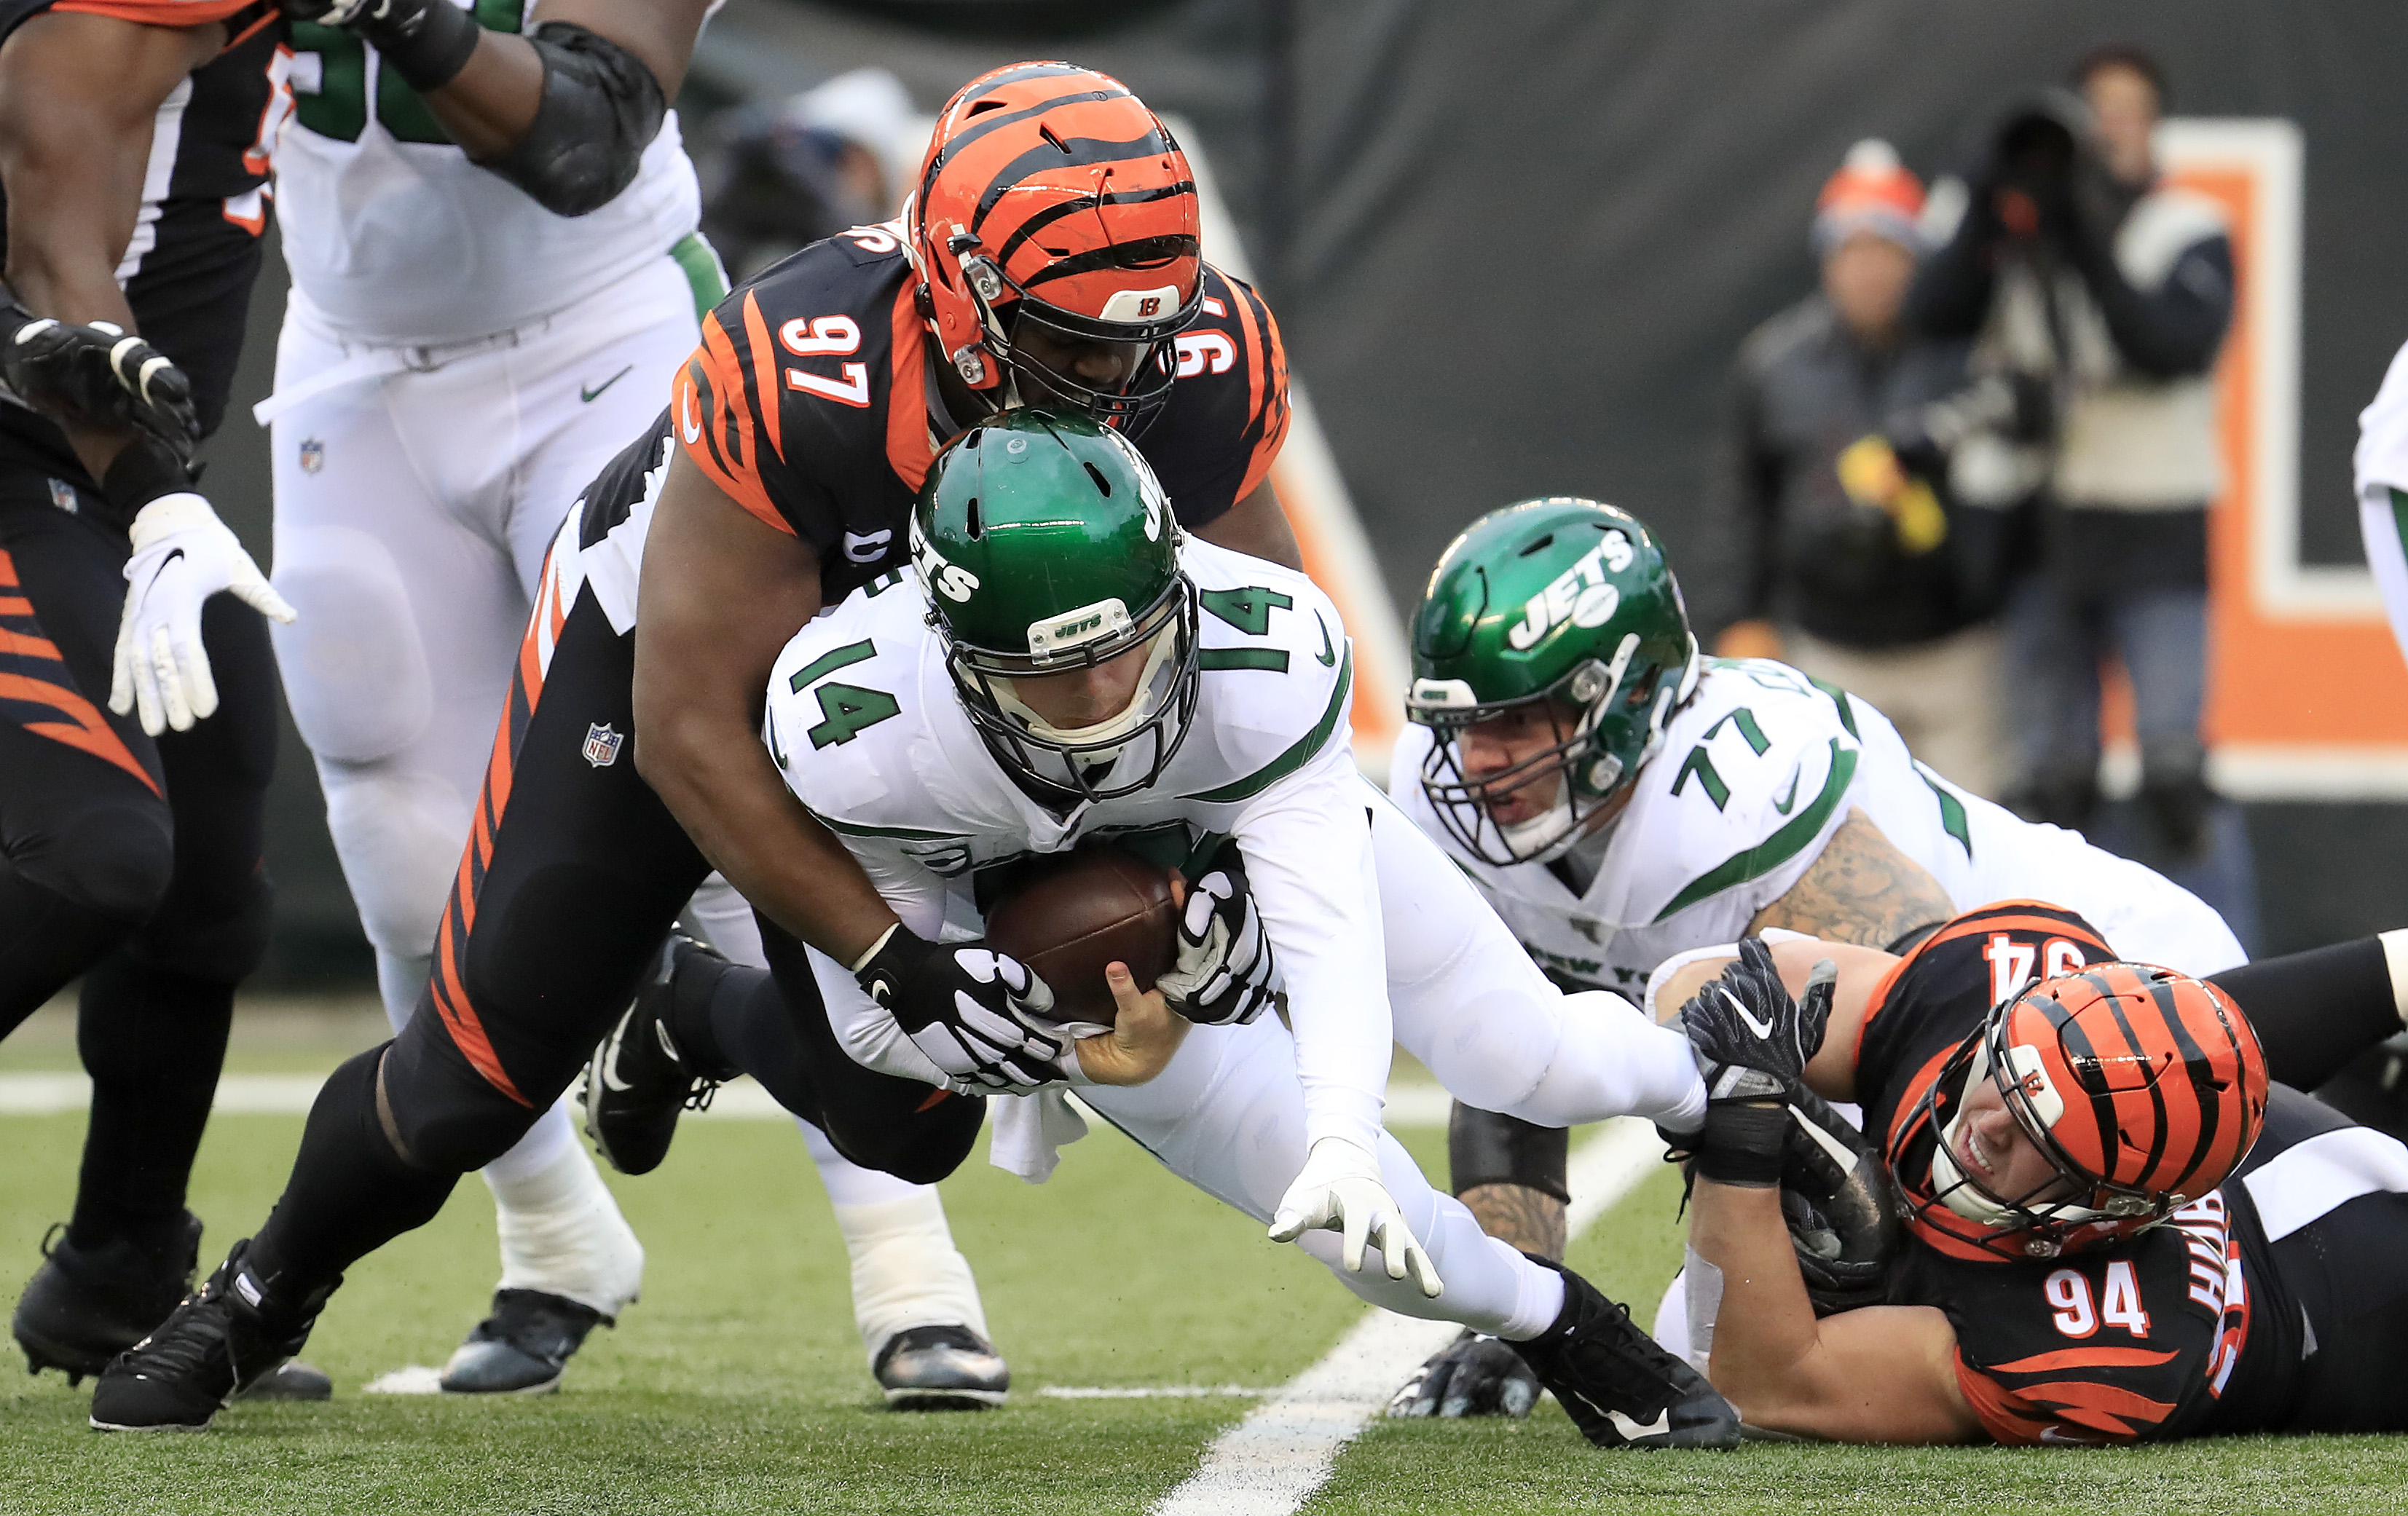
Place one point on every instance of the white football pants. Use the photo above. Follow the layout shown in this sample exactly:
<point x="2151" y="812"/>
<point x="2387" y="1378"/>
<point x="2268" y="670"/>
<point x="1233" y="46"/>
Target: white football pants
<point x="1227" y="1116"/>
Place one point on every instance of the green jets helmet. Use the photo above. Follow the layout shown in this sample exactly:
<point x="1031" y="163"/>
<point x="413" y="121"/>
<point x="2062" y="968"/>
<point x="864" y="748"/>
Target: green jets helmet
<point x="1561" y="610"/>
<point x="1045" y="546"/>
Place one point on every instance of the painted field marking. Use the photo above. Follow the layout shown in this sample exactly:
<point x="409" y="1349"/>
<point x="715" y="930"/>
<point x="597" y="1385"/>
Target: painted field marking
<point x="1271" y="1463"/>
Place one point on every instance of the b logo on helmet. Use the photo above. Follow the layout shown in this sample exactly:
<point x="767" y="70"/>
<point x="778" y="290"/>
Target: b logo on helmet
<point x="1149" y="305"/>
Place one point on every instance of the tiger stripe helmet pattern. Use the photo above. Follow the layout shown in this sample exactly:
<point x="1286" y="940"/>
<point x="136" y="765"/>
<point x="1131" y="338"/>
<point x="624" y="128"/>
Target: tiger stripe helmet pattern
<point x="2142" y="1087"/>
<point x="1051" y="195"/>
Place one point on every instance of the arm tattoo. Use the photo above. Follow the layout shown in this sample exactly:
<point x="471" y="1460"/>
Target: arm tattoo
<point x="1861" y="890"/>
<point x="1519" y="1216"/>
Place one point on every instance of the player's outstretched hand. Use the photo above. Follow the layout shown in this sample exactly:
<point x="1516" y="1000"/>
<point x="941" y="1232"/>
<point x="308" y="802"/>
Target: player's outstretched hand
<point x="1475" y="1375"/>
<point x="977" y="1013"/>
<point x="1746" y="1018"/>
<point x="1226" y="975"/>
<point x="1341" y="1191"/>
<point x="1144" y="1038"/>
<point x="182" y="555"/>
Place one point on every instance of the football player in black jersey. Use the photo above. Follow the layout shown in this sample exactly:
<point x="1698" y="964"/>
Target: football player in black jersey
<point x="137" y="728"/>
<point x="2119" y="1229"/>
<point x="1051" y="251"/>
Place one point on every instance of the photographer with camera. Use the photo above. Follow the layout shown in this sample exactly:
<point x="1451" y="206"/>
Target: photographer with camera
<point x="1844" y="559"/>
<point x="2073" y="264"/>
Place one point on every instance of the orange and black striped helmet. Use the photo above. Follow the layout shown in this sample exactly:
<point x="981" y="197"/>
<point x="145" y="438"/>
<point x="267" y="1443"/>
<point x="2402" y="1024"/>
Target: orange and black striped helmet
<point x="1052" y="196"/>
<point x="2142" y="1087"/>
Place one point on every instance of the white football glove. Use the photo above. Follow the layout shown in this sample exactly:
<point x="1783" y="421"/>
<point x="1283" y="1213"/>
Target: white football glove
<point x="1226" y="975"/>
<point x="1341" y="1191"/>
<point x="182" y="555"/>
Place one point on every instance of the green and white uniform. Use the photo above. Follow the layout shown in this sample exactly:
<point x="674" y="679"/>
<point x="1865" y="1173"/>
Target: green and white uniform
<point x="1376" y="937"/>
<point x="1753" y="775"/>
<point x="456" y="363"/>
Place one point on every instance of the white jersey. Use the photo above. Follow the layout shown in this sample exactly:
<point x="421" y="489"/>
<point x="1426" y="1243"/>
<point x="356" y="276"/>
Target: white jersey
<point x="863" y="721"/>
<point x="392" y="235"/>
<point x="2381" y="481"/>
<point x="1753" y="776"/>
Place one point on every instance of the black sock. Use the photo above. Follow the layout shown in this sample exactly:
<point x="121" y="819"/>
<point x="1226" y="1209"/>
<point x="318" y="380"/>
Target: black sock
<point x="703" y="982"/>
<point x="350" y="1193"/>
<point x="153" y="1042"/>
<point x="46" y="940"/>
<point x="750" y="1027"/>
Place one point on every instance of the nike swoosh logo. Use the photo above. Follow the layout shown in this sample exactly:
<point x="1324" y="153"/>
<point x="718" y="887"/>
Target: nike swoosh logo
<point x="1790" y="799"/>
<point x="1762" y="1029"/>
<point x="589" y="395"/>
<point x="610" y="1079"/>
<point x="1635" y="1430"/>
<point x="1328" y="655"/>
<point x="171" y="557"/>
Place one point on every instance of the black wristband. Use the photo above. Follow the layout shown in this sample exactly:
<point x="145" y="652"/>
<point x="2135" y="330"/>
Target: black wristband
<point x="427" y="46"/>
<point x="1742" y="1143"/>
<point x="145" y="470"/>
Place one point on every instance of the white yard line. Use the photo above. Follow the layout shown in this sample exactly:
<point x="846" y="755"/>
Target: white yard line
<point x="1271" y="1463"/>
<point x="290" y="1094"/>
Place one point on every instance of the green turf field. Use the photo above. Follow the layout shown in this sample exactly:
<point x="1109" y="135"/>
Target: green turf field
<point x="737" y="1385"/>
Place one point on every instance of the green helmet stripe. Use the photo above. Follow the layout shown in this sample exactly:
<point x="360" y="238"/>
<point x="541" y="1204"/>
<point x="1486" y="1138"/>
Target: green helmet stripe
<point x="1776" y="850"/>
<point x="1301" y="752"/>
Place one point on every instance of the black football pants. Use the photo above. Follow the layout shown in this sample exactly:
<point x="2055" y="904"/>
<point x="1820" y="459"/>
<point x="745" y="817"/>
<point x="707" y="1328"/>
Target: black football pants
<point x="133" y="862"/>
<point x="573" y="875"/>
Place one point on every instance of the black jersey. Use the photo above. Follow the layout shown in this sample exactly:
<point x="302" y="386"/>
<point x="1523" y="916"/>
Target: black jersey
<point x="187" y="271"/>
<point x="2259" y="1305"/>
<point x="810" y="402"/>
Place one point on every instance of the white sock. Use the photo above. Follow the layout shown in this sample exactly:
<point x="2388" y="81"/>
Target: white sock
<point x="561" y="1233"/>
<point x="906" y="1270"/>
<point x="848" y="1183"/>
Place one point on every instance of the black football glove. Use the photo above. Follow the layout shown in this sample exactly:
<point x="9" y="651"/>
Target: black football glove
<point x="425" y="41"/>
<point x="99" y="376"/>
<point x="1746" y="1018"/>
<point x="1226" y="975"/>
<point x="1840" y="1205"/>
<point x="1752" y="1041"/>
<point x="970" y="1008"/>
<point x="1474" y="1375"/>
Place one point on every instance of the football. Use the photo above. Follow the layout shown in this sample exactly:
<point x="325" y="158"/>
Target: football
<point x="1071" y="915"/>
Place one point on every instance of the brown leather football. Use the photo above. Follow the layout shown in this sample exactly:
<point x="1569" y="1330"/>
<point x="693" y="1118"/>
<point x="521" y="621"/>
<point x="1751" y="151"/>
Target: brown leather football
<point x="1070" y="915"/>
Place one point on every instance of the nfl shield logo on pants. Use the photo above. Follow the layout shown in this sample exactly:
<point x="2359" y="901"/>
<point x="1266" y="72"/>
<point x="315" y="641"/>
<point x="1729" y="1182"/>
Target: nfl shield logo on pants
<point x="602" y="745"/>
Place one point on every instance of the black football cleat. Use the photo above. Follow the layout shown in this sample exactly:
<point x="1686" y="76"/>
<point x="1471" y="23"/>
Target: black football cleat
<point x="1620" y="1387"/>
<point x="523" y="1347"/>
<point x="1475" y="1375"/>
<point x="83" y="1307"/>
<point x="222" y="1339"/>
<point x="635" y="1083"/>
<point x="941" y="1369"/>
